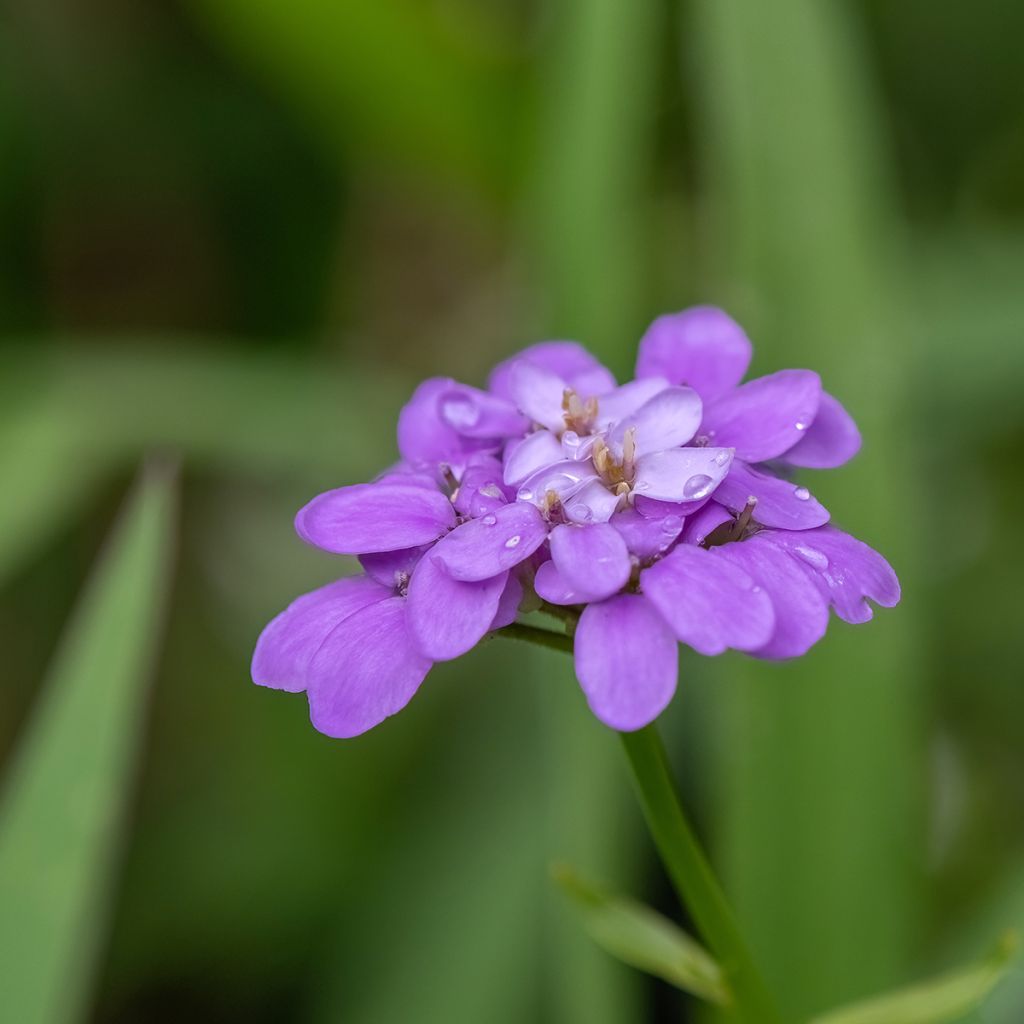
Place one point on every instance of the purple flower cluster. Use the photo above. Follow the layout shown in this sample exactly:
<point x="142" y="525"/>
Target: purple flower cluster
<point x="663" y="510"/>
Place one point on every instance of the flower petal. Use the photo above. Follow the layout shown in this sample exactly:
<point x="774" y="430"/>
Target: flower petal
<point x="374" y="517"/>
<point x="486" y="547"/>
<point x="449" y="617"/>
<point x="366" y="670"/>
<point x="481" y="487"/>
<point x="710" y="603"/>
<point x="287" y="645"/>
<point x="592" y="503"/>
<point x="667" y="420"/>
<point x="538" y="393"/>
<point x="831" y="440"/>
<point x="392" y="568"/>
<point x="626" y="399"/>
<point x="647" y="537"/>
<point x="765" y="417"/>
<point x="801" y="613"/>
<point x="846" y="570"/>
<point x="563" y="478"/>
<point x="536" y="451"/>
<point x="780" y="503"/>
<point x="551" y="586"/>
<point x="424" y="438"/>
<point x="704" y="522"/>
<point x="475" y="413"/>
<point x="681" y="474"/>
<point x="626" y="661"/>
<point x="591" y="559"/>
<point x="569" y="360"/>
<point x="702" y="347"/>
<point x="508" y="604"/>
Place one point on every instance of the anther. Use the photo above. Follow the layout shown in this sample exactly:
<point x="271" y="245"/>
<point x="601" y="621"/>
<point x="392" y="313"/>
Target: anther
<point x="739" y="528"/>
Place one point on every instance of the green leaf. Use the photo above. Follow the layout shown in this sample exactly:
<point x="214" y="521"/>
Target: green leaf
<point x="946" y="998"/>
<point x="65" y="797"/>
<point x="642" y="938"/>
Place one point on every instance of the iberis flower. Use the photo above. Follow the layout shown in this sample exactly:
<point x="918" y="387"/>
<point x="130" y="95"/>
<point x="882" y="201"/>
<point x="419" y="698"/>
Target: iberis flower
<point x="655" y="512"/>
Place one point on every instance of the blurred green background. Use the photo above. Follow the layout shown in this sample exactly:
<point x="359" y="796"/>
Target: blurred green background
<point x="233" y="235"/>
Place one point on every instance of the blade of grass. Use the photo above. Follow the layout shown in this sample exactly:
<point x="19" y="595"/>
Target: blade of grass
<point x="820" y="760"/>
<point x="65" y="796"/>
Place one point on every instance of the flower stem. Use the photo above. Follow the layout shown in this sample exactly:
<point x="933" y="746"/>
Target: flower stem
<point x="692" y="877"/>
<point x="534" y="635"/>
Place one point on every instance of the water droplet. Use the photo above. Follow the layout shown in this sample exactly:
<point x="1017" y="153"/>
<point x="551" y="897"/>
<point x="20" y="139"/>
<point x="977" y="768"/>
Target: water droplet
<point x="803" y="421"/>
<point x="582" y="513"/>
<point x="813" y="557"/>
<point x="721" y="458"/>
<point x="570" y="439"/>
<point x="525" y="494"/>
<point x="641" y="486"/>
<point x="671" y="524"/>
<point x="698" y="486"/>
<point x="491" y="491"/>
<point x="755" y="590"/>
<point x="488" y="520"/>
<point x="802" y="494"/>
<point x="512" y="541"/>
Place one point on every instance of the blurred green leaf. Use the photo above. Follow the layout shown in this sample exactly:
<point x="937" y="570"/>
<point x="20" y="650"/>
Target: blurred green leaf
<point x="943" y="999"/>
<point x="643" y="938"/>
<point x="66" y="793"/>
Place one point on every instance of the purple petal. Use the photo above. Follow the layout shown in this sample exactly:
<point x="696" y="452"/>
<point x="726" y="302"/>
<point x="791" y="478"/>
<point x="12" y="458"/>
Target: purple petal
<point x="592" y="560"/>
<point x="287" y="645"/>
<point x="449" y="617"/>
<point x="626" y="399"/>
<point x="801" y="613"/>
<point x="846" y="570"/>
<point x="564" y="479"/>
<point x="681" y="474"/>
<point x="538" y="393"/>
<point x="568" y="360"/>
<point x="701" y="347"/>
<point x="535" y="452"/>
<point x="710" y="603"/>
<point x="831" y="440"/>
<point x="765" y="417"/>
<point x="482" y="487"/>
<point x="592" y="503"/>
<point x="667" y="420"/>
<point x="392" y="569"/>
<point x="626" y="661"/>
<point x="486" y="547"/>
<point x="424" y="438"/>
<point x="646" y="538"/>
<point x="475" y="413"/>
<point x="508" y="604"/>
<point x="410" y="476"/>
<point x="779" y="503"/>
<point x="651" y="508"/>
<point x="552" y="587"/>
<point x="704" y="522"/>
<point x="366" y="670"/>
<point x="374" y="517"/>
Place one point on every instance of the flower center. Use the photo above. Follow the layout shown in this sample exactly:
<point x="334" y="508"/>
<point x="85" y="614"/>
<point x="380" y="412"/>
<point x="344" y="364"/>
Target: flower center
<point x="579" y="416"/>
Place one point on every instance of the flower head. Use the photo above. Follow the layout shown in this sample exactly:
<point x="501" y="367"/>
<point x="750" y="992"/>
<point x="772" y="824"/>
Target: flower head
<point x="656" y="512"/>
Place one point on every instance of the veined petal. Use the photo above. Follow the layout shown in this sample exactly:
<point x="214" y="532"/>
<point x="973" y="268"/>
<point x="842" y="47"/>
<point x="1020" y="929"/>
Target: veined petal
<point x="535" y="452"/>
<point x="765" y="417"/>
<point x="801" y="613"/>
<point x="449" y="617"/>
<point x="780" y="503"/>
<point x="646" y="538"/>
<point x="374" y="517"/>
<point x="626" y="661"/>
<point x="486" y="547"/>
<point x="667" y="420"/>
<point x="475" y="413"/>
<point x="366" y="670"/>
<point x="287" y="645"/>
<point x="566" y="359"/>
<point x="701" y="347"/>
<point x="831" y="440"/>
<point x="592" y="559"/>
<point x="710" y="603"/>
<point x="847" y="570"/>
<point x="424" y="437"/>
<point x="538" y="392"/>
<point x="682" y="474"/>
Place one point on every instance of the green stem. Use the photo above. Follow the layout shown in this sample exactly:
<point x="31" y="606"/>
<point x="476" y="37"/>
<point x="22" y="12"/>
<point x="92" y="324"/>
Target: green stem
<point x="692" y="877"/>
<point x="543" y="637"/>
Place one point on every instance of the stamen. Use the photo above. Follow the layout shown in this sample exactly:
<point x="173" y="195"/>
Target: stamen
<point x="449" y="478"/>
<point x="628" y="453"/>
<point x="578" y="415"/>
<point x="739" y="528"/>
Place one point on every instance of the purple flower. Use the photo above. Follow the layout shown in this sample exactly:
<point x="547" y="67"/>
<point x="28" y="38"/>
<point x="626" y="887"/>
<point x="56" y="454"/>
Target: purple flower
<point x="658" y="512"/>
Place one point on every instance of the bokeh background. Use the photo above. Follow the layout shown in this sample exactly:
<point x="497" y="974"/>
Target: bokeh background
<point x="234" y="234"/>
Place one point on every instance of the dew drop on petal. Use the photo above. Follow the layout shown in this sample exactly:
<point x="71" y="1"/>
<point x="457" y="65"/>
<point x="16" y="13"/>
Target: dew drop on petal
<point x="525" y="494"/>
<point x="671" y="524"/>
<point x="813" y="557"/>
<point x="488" y="520"/>
<point x="582" y="513"/>
<point x="512" y="541"/>
<point x="755" y="589"/>
<point x="721" y="458"/>
<point x="802" y="494"/>
<point x="698" y="486"/>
